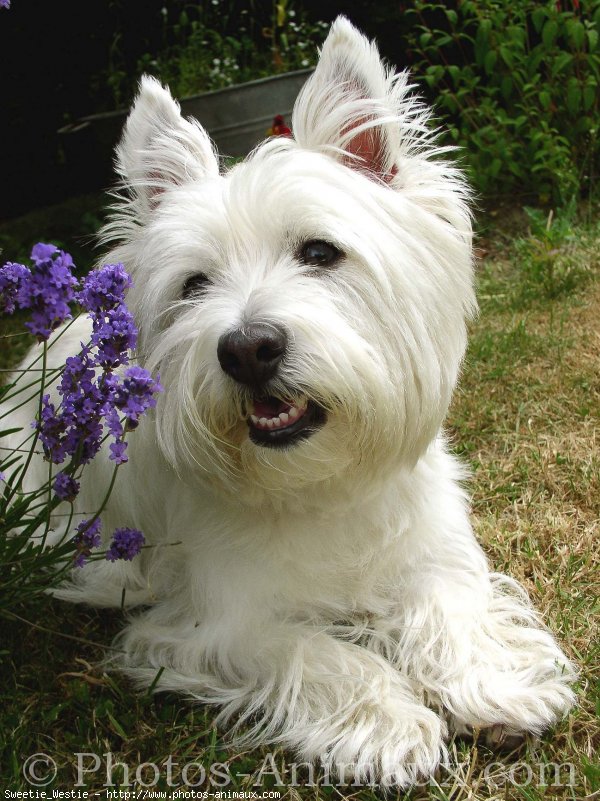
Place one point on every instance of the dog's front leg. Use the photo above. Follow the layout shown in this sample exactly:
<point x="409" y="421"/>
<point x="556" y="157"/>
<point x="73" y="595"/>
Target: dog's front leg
<point x="470" y="638"/>
<point x="328" y="700"/>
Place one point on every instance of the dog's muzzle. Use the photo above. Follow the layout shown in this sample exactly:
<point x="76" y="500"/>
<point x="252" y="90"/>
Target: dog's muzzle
<point x="252" y="356"/>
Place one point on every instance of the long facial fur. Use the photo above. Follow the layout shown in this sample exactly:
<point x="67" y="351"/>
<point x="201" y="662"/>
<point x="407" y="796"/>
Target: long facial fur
<point x="377" y="341"/>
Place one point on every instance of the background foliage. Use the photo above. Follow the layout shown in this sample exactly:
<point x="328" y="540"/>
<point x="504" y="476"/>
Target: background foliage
<point x="515" y="85"/>
<point x="518" y="85"/>
<point x="209" y="45"/>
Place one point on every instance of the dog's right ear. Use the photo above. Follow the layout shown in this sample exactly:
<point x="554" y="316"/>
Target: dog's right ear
<point x="159" y="148"/>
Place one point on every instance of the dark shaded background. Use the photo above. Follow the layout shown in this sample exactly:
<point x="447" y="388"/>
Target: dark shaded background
<point x="56" y="57"/>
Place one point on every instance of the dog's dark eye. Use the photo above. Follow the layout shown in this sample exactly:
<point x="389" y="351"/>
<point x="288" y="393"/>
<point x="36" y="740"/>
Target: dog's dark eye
<point x="319" y="253"/>
<point x="195" y="285"/>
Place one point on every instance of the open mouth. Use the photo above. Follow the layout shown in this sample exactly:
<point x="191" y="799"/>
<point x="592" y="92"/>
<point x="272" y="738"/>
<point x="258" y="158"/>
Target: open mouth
<point x="277" y="423"/>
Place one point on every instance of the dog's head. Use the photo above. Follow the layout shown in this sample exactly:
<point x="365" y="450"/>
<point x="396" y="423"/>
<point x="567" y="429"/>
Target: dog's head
<point x="306" y="308"/>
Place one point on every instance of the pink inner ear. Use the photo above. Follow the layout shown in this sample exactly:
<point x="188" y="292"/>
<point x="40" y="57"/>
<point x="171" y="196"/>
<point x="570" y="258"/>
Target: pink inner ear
<point x="369" y="146"/>
<point x="154" y="192"/>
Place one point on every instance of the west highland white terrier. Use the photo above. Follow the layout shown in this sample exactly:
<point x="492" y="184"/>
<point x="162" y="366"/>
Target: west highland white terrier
<point x="314" y="573"/>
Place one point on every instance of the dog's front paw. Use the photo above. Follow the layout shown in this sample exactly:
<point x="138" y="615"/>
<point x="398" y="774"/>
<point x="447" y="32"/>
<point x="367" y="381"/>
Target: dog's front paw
<point x="530" y="698"/>
<point x="391" y="745"/>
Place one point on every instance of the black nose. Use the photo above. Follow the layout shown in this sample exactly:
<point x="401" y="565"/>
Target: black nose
<point x="252" y="354"/>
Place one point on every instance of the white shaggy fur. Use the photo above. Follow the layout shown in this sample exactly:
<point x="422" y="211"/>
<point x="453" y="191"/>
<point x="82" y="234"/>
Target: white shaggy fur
<point x="330" y="597"/>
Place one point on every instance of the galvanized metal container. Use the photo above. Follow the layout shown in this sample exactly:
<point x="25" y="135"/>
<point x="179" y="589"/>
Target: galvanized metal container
<point x="237" y="119"/>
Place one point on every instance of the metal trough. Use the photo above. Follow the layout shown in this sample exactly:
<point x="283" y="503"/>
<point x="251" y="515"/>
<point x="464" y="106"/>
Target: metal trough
<point x="237" y="118"/>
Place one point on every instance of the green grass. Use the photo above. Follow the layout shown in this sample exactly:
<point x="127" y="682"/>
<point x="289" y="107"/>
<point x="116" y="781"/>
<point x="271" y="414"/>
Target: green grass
<point x="524" y="418"/>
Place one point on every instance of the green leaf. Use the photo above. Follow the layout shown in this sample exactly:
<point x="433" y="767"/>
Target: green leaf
<point x="592" y="36"/>
<point x="560" y="63"/>
<point x="516" y="35"/>
<point x="489" y="61"/>
<point x="545" y="99"/>
<point x="482" y="43"/>
<point x="506" y="87"/>
<point x="434" y="74"/>
<point x="537" y="17"/>
<point x="443" y="40"/>
<point x="549" y="32"/>
<point x="495" y="166"/>
<point x="582" y="125"/>
<point x="448" y="102"/>
<point x="451" y="15"/>
<point x="507" y="55"/>
<point x="576" y="33"/>
<point x="485" y="26"/>
<point x="593" y="63"/>
<point x="589" y="94"/>
<point x="573" y="96"/>
<point x="6" y="431"/>
<point x="455" y="74"/>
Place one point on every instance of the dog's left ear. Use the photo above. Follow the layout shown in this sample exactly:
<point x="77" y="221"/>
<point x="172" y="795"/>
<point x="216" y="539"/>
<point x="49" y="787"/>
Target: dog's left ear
<point x="160" y="148"/>
<point x="351" y="106"/>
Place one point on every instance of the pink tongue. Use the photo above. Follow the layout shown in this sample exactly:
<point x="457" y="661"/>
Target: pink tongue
<point x="270" y="407"/>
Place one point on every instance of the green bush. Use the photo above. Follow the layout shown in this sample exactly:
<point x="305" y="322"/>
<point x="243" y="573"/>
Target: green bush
<point x="517" y="84"/>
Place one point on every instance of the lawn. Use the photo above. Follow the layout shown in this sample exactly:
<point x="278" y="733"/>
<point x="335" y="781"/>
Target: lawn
<point x="526" y="420"/>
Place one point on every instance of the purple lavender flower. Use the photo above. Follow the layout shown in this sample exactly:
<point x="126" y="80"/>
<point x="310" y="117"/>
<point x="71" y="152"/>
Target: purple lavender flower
<point x="104" y="288"/>
<point x="2" y="477"/>
<point x="49" y="290"/>
<point x="46" y="290"/>
<point x="12" y="275"/>
<point x="52" y="428"/>
<point x="88" y="537"/>
<point x="4" y="3"/>
<point x="117" y="452"/>
<point x="89" y="531"/>
<point x="94" y="399"/>
<point x="136" y="394"/>
<point x="113" y="422"/>
<point x="65" y="487"/>
<point x="93" y="396"/>
<point x="126" y="543"/>
<point x="90" y="402"/>
<point x="113" y="335"/>
<point x="78" y="371"/>
<point x="42" y="252"/>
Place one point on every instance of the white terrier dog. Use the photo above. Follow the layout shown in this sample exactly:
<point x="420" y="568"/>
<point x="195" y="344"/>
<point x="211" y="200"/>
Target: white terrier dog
<point x="306" y="311"/>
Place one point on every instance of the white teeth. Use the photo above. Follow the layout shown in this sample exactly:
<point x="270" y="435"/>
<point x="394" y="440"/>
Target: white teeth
<point x="283" y="420"/>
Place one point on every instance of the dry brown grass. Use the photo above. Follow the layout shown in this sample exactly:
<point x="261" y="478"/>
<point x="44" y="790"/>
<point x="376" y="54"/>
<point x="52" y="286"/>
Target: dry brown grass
<point x="528" y="415"/>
